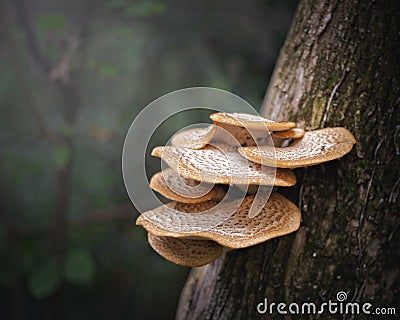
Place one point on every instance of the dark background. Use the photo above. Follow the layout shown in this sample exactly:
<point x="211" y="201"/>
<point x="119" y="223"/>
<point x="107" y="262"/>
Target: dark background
<point x="74" y="74"/>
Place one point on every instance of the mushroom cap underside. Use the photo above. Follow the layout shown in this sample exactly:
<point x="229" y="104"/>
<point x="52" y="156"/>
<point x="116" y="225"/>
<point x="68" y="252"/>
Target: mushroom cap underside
<point x="185" y="252"/>
<point x="175" y="187"/>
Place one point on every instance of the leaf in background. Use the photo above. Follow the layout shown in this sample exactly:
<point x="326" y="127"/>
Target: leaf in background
<point x="44" y="280"/>
<point x="61" y="155"/>
<point x="79" y="267"/>
<point x="50" y="22"/>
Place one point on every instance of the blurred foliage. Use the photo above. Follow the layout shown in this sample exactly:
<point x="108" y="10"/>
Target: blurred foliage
<point x="108" y="60"/>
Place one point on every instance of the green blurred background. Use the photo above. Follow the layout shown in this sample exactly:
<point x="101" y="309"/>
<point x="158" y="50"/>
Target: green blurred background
<point x="74" y="74"/>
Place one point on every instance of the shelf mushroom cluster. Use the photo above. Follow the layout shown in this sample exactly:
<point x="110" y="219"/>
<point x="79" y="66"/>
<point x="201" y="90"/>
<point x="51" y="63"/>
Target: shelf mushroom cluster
<point x="213" y="177"/>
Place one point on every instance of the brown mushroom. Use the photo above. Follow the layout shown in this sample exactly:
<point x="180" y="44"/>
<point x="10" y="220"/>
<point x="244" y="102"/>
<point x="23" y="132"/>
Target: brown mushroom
<point x="239" y="136"/>
<point x="215" y="166"/>
<point x="295" y="133"/>
<point x="251" y="121"/>
<point x="194" y="233"/>
<point x="195" y="138"/>
<point x="186" y="252"/>
<point x="314" y="148"/>
<point x="174" y="187"/>
<point x="278" y="217"/>
<point x="223" y="147"/>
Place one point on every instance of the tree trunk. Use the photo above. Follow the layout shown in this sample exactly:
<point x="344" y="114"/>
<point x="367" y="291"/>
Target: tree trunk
<point x="339" y="67"/>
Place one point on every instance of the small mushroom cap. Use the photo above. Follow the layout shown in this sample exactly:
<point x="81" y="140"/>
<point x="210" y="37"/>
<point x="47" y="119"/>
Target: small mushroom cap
<point x="251" y="121"/>
<point x="186" y="252"/>
<point x="215" y="166"/>
<point x="195" y="138"/>
<point x="278" y="217"/>
<point x="183" y="190"/>
<point x="223" y="147"/>
<point x="315" y="147"/>
<point x="240" y="136"/>
<point x="295" y="133"/>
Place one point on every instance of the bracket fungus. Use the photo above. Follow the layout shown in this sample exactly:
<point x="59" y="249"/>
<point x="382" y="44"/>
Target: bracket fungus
<point x="175" y="187"/>
<point x="195" y="138"/>
<point x="239" y="136"/>
<point x="216" y="166"/>
<point x="315" y="147"/>
<point x="278" y="217"/>
<point x="295" y="133"/>
<point x="250" y="121"/>
<point x="204" y="218"/>
<point x="186" y="252"/>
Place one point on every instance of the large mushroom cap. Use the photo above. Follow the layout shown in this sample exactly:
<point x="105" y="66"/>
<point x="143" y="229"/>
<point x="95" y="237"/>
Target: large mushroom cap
<point x="195" y="138"/>
<point x="251" y="121"/>
<point x="186" y="252"/>
<point x="215" y="166"/>
<point x="315" y="147"/>
<point x="278" y="217"/>
<point x="174" y="187"/>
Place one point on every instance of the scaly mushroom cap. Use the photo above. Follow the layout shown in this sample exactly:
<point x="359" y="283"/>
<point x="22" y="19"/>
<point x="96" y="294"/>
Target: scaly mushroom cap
<point x="315" y="147"/>
<point x="215" y="166"/>
<point x="183" y="190"/>
<point x="251" y="121"/>
<point x="186" y="252"/>
<point x="278" y="217"/>
<point x="195" y="138"/>
<point x="295" y="133"/>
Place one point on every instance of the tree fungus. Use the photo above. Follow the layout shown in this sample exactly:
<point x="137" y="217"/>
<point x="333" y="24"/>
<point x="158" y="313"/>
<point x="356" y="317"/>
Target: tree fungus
<point x="237" y="151"/>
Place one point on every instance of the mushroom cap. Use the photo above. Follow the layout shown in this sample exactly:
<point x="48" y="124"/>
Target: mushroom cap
<point x="223" y="147"/>
<point x="174" y="187"/>
<point x="251" y="121"/>
<point x="195" y="138"/>
<point x="295" y="133"/>
<point x="278" y="217"/>
<point x="239" y="136"/>
<point x="185" y="252"/>
<point x="315" y="147"/>
<point x="215" y="166"/>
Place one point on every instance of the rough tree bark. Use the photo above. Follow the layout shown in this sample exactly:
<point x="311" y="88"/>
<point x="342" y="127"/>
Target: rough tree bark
<point x="338" y="67"/>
